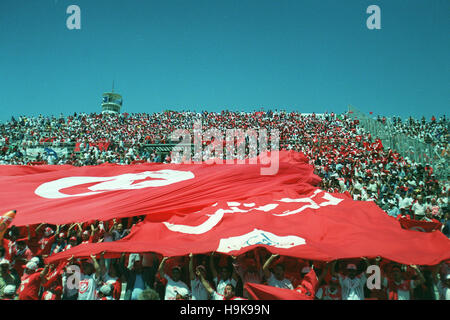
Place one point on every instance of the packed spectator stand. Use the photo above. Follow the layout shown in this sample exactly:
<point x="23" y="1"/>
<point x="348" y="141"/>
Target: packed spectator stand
<point x="345" y="156"/>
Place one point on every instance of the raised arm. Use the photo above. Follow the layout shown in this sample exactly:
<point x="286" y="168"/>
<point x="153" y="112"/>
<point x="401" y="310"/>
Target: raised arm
<point x="204" y="282"/>
<point x="212" y="266"/>
<point x="102" y="263"/>
<point x="333" y="268"/>
<point x="323" y="273"/>
<point x="161" y="267"/>
<point x="113" y="226"/>
<point x="43" y="274"/>
<point x="96" y="266"/>
<point x="234" y="275"/>
<point x="419" y="273"/>
<point x="267" y="265"/>
<point x="80" y="229"/>
<point x="39" y="227"/>
<point x="28" y="233"/>
<point x="366" y="262"/>
<point x="71" y="227"/>
<point x="191" y="266"/>
<point x="435" y="272"/>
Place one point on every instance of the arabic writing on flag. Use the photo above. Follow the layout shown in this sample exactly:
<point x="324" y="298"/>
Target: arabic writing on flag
<point x="317" y="226"/>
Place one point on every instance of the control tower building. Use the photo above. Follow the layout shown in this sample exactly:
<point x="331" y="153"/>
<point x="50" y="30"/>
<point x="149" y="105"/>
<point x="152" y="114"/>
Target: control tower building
<point x="112" y="102"/>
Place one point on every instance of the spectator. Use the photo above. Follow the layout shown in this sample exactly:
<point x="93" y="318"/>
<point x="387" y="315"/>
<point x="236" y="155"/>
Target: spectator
<point x="174" y="287"/>
<point x="138" y="278"/>
<point x="9" y="293"/>
<point x="400" y="288"/>
<point x="352" y="282"/>
<point x="223" y="278"/>
<point x="276" y="279"/>
<point x="6" y="277"/>
<point x="198" y="290"/>
<point x="229" y="290"/>
<point x="149" y="294"/>
<point x="31" y="282"/>
<point x="330" y="291"/>
<point x="89" y="279"/>
<point x="105" y="292"/>
<point x="68" y="282"/>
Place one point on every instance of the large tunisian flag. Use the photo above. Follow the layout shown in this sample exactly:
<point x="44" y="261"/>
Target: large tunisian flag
<point x="316" y="225"/>
<point x="65" y="194"/>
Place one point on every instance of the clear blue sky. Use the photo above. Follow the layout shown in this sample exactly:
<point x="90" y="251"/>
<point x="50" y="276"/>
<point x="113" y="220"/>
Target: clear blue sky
<point x="315" y="55"/>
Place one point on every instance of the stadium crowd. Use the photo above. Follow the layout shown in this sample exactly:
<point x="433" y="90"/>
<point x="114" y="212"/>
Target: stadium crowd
<point x="150" y="276"/>
<point x="346" y="156"/>
<point x="433" y="132"/>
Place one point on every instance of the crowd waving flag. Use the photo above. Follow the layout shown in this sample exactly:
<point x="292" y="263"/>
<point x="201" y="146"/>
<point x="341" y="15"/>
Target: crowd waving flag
<point x="423" y="226"/>
<point x="313" y="225"/>
<point x="66" y="194"/>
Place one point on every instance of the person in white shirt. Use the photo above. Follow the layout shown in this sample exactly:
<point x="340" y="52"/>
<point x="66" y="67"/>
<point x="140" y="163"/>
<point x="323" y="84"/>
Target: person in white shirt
<point x="249" y="269"/>
<point x="276" y="279"/>
<point x="373" y="187"/>
<point x="442" y="283"/>
<point x="175" y="288"/>
<point x="87" y="287"/>
<point x="444" y="288"/>
<point x="229" y="290"/>
<point x="225" y="277"/>
<point x="198" y="289"/>
<point x="418" y="208"/>
<point x="404" y="203"/>
<point x="352" y="283"/>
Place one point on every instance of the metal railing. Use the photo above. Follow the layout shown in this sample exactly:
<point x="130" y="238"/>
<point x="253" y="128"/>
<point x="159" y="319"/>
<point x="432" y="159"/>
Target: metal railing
<point x="412" y="148"/>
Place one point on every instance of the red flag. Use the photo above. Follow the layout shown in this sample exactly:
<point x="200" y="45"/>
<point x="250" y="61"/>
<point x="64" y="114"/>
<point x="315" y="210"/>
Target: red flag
<point x="65" y="194"/>
<point x="102" y="146"/>
<point x="423" y="226"/>
<point x="318" y="226"/>
<point x="263" y="292"/>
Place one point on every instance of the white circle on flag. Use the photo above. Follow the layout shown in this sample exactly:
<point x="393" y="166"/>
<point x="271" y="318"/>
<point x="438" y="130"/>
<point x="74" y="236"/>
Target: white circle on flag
<point x="52" y="189"/>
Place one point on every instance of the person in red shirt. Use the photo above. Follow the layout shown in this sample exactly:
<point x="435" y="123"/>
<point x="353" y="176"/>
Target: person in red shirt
<point x="85" y="237"/>
<point x="53" y="293"/>
<point x="330" y="291"/>
<point x="41" y="244"/>
<point x="72" y="243"/>
<point x="399" y="287"/>
<point x="59" y="244"/>
<point x="53" y="283"/>
<point x="46" y="242"/>
<point x="31" y="282"/>
<point x="21" y="256"/>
